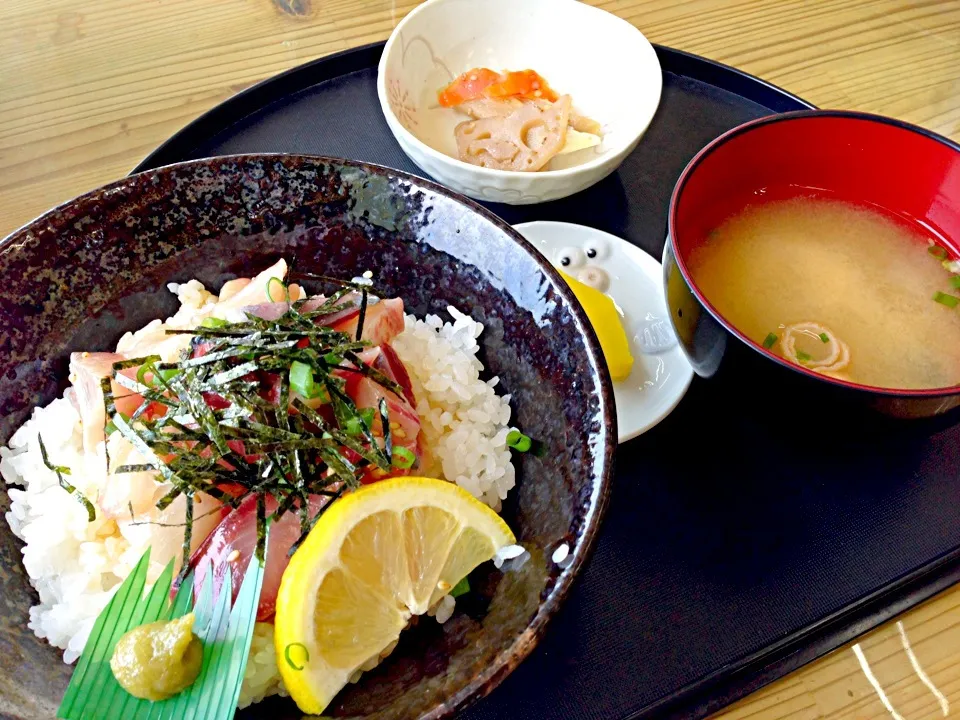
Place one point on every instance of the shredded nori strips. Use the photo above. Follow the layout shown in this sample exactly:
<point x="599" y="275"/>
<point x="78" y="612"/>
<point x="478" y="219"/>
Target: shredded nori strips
<point x="221" y="422"/>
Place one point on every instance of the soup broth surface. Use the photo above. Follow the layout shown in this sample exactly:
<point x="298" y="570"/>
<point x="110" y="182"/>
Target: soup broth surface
<point x="867" y="277"/>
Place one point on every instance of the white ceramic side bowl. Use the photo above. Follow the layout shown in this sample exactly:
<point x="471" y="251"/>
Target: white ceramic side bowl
<point x="607" y="66"/>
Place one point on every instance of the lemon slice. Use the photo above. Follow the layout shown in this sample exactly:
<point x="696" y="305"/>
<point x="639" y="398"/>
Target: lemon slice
<point x="603" y="315"/>
<point x="377" y="556"/>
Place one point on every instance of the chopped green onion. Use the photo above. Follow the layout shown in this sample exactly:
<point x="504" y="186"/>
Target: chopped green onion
<point x="363" y="419"/>
<point x="955" y="282"/>
<point x="770" y="340"/>
<point x="111" y="428"/>
<point x="60" y="471"/>
<point x="802" y="356"/>
<point x="301" y="379"/>
<point x="403" y="459"/>
<point x="168" y="374"/>
<point x="950" y="301"/>
<point x="938" y="252"/>
<point x="147" y="366"/>
<point x="150" y="367"/>
<point x="319" y="391"/>
<point x="824" y="338"/>
<point x="290" y="662"/>
<point x="212" y="322"/>
<point x="283" y="287"/>
<point x="367" y="415"/>
<point x="461" y="588"/>
<point x="332" y="359"/>
<point x="518" y="441"/>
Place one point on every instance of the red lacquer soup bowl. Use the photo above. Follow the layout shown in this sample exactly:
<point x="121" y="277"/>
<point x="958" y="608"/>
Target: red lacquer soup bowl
<point x="899" y="169"/>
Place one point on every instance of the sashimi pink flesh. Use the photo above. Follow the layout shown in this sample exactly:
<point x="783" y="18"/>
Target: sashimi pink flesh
<point x="382" y="322"/>
<point x="234" y="539"/>
<point x="233" y="542"/>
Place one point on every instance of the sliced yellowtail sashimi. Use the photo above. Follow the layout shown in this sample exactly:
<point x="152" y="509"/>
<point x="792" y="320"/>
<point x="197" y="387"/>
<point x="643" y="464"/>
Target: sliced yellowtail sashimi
<point x="267" y="287"/>
<point x="378" y="556"/>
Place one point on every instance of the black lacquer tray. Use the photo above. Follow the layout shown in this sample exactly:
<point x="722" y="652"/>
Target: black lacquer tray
<point x="741" y="542"/>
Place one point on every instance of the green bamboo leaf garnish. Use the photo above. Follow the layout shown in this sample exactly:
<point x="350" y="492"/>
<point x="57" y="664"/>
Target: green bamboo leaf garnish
<point x="226" y="634"/>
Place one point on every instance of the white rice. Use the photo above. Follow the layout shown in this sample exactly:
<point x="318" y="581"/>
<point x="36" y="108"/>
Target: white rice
<point x="507" y="553"/>
<point x="560" y="554"/>
<point x="465" y="422"/>
<point x="76" y="565"/>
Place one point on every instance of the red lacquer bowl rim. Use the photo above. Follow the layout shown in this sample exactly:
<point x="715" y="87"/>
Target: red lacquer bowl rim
<point x="749" y="126"/>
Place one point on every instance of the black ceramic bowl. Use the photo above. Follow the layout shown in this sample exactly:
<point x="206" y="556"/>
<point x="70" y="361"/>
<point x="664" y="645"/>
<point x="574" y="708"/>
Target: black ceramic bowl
<point x="84" y="273"/>
<point x="868" y="160"/>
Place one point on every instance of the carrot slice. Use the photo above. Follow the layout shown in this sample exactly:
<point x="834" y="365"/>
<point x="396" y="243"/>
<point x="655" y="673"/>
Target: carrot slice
<point x="523" y="83"/>
<point x="468" y="86"/>
<point x="484" y="82"/>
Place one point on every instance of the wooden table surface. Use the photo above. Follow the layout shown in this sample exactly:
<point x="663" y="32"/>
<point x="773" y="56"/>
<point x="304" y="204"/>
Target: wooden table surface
<point x="88" y="89"/>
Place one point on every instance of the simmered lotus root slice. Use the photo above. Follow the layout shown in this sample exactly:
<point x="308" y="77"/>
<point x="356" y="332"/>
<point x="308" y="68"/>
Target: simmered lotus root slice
<point x="486" y="108"/>
<point x="525" y="140"/>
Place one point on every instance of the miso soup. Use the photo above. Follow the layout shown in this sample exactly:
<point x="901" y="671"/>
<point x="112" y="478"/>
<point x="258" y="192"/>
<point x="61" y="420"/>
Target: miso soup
<point x="840" y="289"/>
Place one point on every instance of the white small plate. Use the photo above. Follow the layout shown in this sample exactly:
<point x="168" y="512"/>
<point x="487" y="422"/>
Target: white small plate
<point x="661" y="373"/>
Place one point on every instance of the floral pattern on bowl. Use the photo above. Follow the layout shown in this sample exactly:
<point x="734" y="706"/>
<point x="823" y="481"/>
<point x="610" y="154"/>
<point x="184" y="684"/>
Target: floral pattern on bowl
<point x="443" y="38"/>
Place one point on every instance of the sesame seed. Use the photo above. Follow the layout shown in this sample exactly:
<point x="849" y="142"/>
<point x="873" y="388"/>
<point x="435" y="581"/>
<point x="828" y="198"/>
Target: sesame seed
<point x="232" y="557"/>
<point x="538" y="93"/>
<point x="368" y="274"/>
<point x="443" y="586"/>
<point x="473" y="77"/>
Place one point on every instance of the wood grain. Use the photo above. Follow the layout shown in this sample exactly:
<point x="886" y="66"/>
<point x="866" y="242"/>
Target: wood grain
<point x="88" y="89"/>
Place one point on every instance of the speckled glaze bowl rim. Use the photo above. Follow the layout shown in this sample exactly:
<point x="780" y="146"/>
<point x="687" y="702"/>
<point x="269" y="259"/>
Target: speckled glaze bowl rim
<point x="507" y="659"/>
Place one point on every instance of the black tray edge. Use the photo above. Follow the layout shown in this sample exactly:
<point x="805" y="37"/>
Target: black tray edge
<point x="735" y="680"/>
<point x="246" y="102"/>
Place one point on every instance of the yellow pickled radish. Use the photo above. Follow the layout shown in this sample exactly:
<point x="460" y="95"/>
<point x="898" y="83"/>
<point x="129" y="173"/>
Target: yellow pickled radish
<point x="606" y="323"/>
